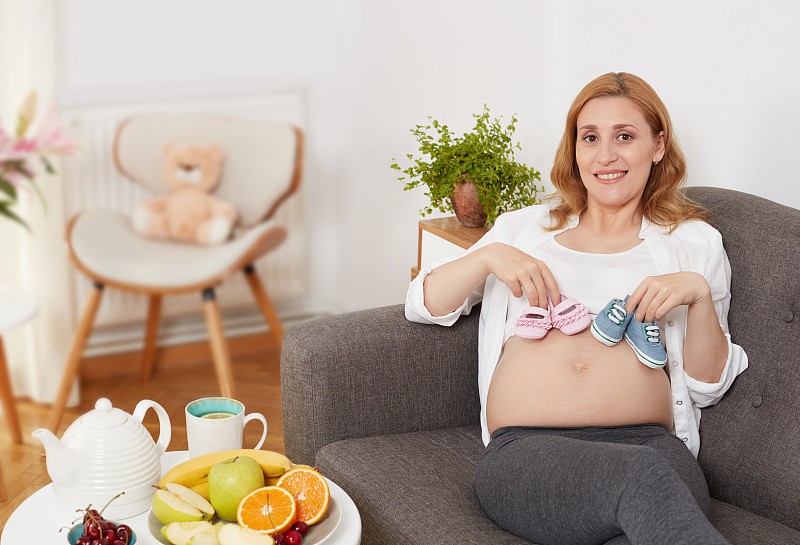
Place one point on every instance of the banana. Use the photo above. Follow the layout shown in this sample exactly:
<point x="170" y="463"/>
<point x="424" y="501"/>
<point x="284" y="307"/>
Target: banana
<point x="194" y="471"/>
<point x="202" y="489"/>
<point x="187" y="474"/>
<point x="273" y="464"/>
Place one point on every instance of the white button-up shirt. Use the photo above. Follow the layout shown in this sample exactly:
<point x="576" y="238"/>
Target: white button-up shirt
<point x="692" y="246"/>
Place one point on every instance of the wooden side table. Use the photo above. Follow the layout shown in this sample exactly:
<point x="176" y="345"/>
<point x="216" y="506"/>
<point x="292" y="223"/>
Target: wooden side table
<point x="447" y="235"/>
<point x="16" y="308"/>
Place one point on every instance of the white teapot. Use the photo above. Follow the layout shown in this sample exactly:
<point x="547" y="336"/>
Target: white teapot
<point x="105" y="452"/>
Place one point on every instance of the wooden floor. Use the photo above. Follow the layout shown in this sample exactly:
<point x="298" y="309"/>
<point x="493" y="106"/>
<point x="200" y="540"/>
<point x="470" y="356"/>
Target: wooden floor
<point x="181" y="375"/>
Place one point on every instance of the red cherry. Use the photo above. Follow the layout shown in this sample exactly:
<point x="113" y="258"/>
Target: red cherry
<point x="280" y="539"/>
<point x="301" y="527"/>
<point x="124" y="533"/>
<point x="93" y="530"/>
<point x="293" y="537"/>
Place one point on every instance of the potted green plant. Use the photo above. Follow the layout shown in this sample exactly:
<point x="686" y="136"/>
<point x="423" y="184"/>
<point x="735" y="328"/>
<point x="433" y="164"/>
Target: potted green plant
<point x="479" y="165"/>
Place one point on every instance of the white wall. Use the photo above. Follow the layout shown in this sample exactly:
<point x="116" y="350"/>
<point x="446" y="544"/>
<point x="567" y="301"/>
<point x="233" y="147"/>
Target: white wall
<point x="727" y="71"/>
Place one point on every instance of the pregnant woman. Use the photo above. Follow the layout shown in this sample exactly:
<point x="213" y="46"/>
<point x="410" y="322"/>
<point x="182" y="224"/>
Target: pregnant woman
<point x="585" y="444"/>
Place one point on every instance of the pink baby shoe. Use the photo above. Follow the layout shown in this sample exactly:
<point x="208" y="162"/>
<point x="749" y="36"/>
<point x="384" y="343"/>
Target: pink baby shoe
<point x="570" y="316"/>
<point x="533" y="324"/>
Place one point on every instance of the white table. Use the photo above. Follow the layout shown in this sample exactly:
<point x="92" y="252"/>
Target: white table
<point x="38" y="518"/>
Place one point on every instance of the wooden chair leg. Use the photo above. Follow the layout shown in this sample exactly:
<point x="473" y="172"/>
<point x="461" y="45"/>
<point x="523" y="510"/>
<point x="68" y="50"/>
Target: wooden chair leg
<point x="151" y="337"/>
<point x="265" y="304"/>
<point x="7" y="395"/>
<point x="74" y="359"/>
<point x="219" y="347"/>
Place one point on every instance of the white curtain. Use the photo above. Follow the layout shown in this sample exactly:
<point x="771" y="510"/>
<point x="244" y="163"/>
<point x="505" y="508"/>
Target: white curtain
<point x="36" y="262"/>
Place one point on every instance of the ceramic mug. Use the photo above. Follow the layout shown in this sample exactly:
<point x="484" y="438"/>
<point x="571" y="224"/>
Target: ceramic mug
<point x="214" y="424"/>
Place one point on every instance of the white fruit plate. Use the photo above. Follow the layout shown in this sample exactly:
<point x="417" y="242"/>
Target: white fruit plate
<point x="317" y="534"/>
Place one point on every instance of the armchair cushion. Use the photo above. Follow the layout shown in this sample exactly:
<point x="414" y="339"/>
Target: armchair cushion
<point x="419" y="486"/>
<point x="104" y="242"/>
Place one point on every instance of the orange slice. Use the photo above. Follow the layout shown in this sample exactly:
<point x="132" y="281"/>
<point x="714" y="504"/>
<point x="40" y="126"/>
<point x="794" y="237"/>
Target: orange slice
<point x="270" y="509"/>
<point x="310" y="490"/>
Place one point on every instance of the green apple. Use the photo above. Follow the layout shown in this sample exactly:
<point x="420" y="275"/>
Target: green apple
<point x="231" y="480"/>
<point x="169" y="507"/>
<point x="179" y="533"/>
<point x="209" y="536"/>
<point x="233" y="534"/>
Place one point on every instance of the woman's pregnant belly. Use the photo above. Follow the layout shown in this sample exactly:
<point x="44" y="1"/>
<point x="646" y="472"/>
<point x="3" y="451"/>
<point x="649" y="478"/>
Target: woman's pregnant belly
<point x="575" y="381"/>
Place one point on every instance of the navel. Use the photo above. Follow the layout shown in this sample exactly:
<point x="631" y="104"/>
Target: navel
<point x="581" y="367"/>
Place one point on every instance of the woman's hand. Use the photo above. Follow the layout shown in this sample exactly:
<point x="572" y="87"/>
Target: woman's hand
<point x="705" y="346"/>
<point x="657" y="295"/>
<point x="521" y="273"/>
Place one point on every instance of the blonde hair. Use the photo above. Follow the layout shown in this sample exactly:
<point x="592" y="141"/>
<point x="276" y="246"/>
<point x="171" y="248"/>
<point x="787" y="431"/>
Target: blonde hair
<point x="663" y="202"/>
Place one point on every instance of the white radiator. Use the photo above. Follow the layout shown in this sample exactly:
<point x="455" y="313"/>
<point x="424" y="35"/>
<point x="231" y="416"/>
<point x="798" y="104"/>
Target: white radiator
<point x="92" y="181"/>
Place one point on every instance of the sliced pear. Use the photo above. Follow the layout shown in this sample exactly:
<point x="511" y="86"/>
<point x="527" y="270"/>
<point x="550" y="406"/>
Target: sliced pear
<point x="192" y="498"/>
<point x="233" y="534"/>
<point x="179" y="533"/>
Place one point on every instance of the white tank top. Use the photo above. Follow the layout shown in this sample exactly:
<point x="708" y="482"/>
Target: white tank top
<point x="592" y="279"/>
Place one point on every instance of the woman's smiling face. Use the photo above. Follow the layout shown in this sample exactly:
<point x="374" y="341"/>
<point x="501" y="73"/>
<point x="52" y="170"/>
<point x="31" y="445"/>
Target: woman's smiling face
<point x="615" y="150"/>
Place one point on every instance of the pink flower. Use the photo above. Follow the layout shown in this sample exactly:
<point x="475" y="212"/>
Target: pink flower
<point x="22" y="158"/>
<point x="18" y="159"/>
<point x="15" y="178"/>
<point x="8" y="148"/>
<point x="52" y="137"/>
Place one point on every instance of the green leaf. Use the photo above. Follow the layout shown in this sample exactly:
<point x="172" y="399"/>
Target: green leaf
<point x="48" y="166"/>
<point x="39" y="194"/>
<point x="10" y="214"/>
<point x="9" y="189"/>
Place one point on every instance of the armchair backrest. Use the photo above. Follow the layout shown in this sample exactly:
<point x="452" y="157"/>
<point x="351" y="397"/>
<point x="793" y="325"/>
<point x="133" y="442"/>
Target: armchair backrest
<point x="751" y="438"/>
<point x="263" y="160"/>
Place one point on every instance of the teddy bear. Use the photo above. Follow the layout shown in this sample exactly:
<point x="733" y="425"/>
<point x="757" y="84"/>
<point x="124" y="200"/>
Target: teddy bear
<point x="188" y="213"/>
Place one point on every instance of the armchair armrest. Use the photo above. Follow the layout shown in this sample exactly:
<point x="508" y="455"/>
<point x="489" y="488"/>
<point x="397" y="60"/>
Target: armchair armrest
<point x="372" y="372"/>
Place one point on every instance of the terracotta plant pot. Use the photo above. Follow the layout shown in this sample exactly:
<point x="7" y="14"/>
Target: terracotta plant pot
<point x="467" y="206"/>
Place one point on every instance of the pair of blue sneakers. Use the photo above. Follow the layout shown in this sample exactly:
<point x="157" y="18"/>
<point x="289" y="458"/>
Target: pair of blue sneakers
<point x="614" y="322"/>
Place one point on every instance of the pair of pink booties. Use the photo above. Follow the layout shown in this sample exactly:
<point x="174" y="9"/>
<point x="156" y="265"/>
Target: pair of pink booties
<point x="569" y="316"/>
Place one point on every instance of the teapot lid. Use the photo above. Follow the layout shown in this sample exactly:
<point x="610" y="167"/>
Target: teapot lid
<point x="104" y="415"/>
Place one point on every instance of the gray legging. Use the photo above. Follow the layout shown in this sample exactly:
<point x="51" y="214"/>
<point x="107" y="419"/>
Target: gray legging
<point x="590" y="486"/>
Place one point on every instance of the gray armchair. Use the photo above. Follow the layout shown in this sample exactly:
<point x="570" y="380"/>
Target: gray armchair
<point x="389" y="409"/>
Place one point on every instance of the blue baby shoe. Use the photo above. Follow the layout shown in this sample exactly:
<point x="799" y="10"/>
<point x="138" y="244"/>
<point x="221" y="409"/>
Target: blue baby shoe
<point x="610" y="324"/>
<point x="645" y="339"/>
